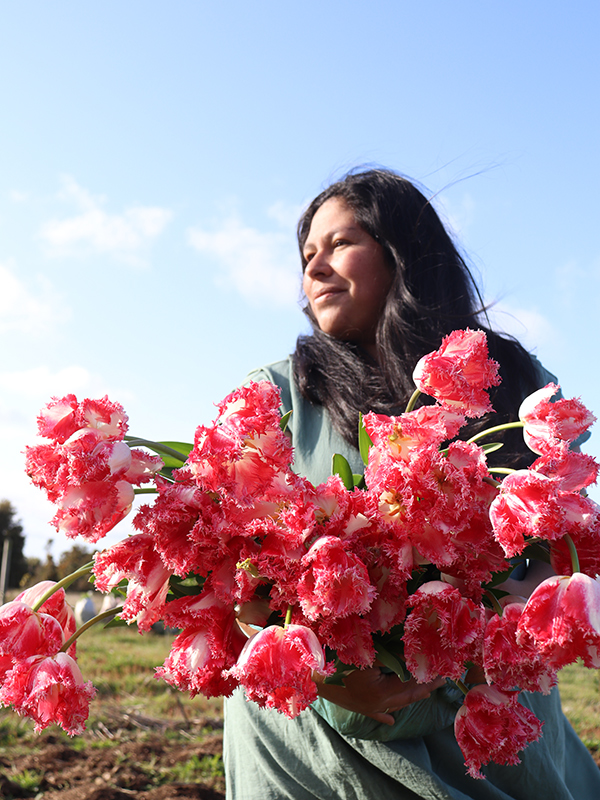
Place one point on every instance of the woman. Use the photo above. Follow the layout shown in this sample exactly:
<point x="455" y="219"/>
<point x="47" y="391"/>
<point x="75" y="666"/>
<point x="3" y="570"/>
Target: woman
<point x="384" y="284"/>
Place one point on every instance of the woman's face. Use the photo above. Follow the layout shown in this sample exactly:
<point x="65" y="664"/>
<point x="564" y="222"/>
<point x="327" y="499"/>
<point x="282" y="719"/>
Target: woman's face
<point x="346" y="279"/>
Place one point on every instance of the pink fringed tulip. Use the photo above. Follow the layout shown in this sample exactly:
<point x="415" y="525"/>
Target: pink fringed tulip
<point x="93" y="509"/>
<point x="25" y="633"/>
<point x="56" y="605"/>
<point x="400" y="436"/>
<point x="276" y="668"/>
<point x="563" y="618"/>
<point x="459" y="373"/>
<point x="136" y="559"/>
<point x="510" y="664"/>
<point x="548" y="423"/>
<point x="443" y="630"/>
<point x="203" y="652"/>
<point x="493" y="726"/>
<point x="531" y="504"/>
<point x="334" y="582"/>
<point x="49" y="689"/>
<point x="244" y="452"/>
<point x="87" y="470"/>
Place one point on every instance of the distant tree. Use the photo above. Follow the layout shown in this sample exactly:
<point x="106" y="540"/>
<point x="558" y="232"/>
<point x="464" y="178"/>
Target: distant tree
<point x="38" y="570"/>
<point x="47" y="570"/>
<point x="70" y="561"/>
<point x="11" y="529"/>
<point x="34" y="566"/>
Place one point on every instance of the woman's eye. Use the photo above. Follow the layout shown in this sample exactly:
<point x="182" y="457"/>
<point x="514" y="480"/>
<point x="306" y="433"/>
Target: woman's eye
<point x="340" y="242"/>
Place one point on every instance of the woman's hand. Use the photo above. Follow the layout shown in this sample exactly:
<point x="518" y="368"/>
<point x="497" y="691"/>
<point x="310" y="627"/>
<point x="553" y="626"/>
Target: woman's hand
<point x="375" y="693"/>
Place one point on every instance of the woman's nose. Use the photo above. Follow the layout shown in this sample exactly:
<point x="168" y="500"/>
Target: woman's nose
<point x="318" y="265"/>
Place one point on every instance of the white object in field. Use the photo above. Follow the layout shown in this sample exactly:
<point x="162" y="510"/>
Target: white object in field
<point x="84" y="610"/>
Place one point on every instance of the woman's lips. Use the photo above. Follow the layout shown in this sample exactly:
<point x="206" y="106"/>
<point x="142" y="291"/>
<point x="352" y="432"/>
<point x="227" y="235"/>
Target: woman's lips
<point x="324" y="294"/>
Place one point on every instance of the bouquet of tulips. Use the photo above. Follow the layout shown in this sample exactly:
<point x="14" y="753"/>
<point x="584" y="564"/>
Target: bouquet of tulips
<point x="399" y="565"/>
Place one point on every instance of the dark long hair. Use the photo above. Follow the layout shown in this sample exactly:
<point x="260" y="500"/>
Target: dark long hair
<point x="433" y="293"/>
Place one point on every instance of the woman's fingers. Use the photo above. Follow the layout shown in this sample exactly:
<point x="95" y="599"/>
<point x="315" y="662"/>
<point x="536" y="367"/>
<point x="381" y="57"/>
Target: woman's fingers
<point x="376" y="694"/>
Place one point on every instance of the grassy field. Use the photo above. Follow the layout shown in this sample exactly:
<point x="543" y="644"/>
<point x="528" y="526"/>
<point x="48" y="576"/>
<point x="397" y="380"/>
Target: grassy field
<point x="580" y="693"/>
<point x="143" y="738"/>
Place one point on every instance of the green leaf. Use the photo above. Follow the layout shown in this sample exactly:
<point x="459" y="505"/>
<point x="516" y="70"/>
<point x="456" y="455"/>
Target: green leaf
<point x="341" y="467"/>
<point x="491" y="447"/>
<point x="359" y="481"/>
<point x="364" y="440"/>
<point x="391" y="662"/>
<point x="174" y="454"/>
<point x="184" y="587"/>
<point x="283" y="423"/>
<point x="185" y="448"/>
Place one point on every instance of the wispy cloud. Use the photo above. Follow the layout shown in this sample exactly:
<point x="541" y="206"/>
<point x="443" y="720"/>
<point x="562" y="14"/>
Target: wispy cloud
<point x="528" y="325"/>
<point x="42" y="382"/>
<point x="262" y="266"/>
<point x="126" y="236"/>
<point x="26" y="309"/>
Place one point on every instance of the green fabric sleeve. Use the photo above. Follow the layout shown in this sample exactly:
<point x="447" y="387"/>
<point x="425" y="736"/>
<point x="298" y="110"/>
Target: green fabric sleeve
<point x="418" y="719"/>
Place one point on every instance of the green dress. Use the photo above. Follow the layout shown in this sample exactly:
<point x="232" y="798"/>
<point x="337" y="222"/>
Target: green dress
<point x="314" y="757"/>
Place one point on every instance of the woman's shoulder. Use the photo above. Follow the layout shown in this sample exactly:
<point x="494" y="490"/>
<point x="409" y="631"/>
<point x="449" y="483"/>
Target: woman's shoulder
<point x="278" y="373"/>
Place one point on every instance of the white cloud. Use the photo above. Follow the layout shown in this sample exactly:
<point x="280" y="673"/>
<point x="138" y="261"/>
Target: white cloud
<point x="26" y="310"/>
<point x="286" y="214"/>
<point x="42" y="382"/>
<point x="18" y="197"/>
<point x="262" y="266"/>
<point x="528" y="325"/>
<point x="94" y="230"/>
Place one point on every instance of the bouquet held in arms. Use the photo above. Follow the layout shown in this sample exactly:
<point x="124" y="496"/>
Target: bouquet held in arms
<point x="398" y="566"/>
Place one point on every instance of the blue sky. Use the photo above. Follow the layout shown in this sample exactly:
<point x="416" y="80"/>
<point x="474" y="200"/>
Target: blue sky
<point x="154" y="158"/>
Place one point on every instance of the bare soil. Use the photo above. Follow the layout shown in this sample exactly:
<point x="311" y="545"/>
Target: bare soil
<point x="135" y="759"/>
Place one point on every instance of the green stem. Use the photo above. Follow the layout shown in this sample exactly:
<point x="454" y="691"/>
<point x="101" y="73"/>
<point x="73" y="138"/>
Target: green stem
<point x="507" y="426"/>
<point x="573" y="551"/>
<point x="132" y="441"/>
<point x="494" y="601"/>
<point x="464" y="689"/>
<point x="62" y="584"/>
<point x="112" y="612"/>
<point x="413" y="400"/>
<point x="288" y="617"/>
<point x="502" y="470"/>
<point x="145" y="491"/>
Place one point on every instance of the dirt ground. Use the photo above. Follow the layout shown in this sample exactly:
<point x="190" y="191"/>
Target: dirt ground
<point x="116" y="770"/>
<point x="131" y="757"/>
<point x="120" y="772"/>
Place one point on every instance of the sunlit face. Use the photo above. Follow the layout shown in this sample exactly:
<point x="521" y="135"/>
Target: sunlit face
<point x="346" y="279"/>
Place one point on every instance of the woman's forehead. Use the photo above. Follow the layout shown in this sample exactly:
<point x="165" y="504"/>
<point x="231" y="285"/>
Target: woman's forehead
<point x="333" y="215"/>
